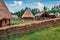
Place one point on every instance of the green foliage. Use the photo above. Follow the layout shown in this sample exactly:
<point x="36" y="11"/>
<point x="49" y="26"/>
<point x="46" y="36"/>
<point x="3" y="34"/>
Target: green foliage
<point x="54" y="11"/>
<point x="56" y="7"/>
<point x="14" y="22"/>
<point x="51" y="33"/>
<point x="20" y="13"/>
<point x="45" y="8"/>
<point x="36" y="10"/>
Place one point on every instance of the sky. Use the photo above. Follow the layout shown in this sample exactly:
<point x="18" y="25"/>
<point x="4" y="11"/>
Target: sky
<point x="17" y="5"/>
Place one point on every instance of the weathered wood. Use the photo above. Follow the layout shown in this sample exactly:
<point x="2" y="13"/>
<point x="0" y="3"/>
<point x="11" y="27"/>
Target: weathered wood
<point x="21" y="29"/>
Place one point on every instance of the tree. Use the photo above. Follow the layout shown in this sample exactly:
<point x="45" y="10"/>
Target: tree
<point x="45" y="8"/>
<point x="21" y="12"/>
<point x="27" y="8"/>
<point x="35" y="10"/>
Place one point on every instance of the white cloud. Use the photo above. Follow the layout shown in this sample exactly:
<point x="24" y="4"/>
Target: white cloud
<point x="39" y="5"/>
<point x="15" y="6"/>
<point x="17" y="3"/>
<point x="55" y="4"/>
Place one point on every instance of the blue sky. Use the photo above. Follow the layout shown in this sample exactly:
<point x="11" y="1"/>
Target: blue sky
<point x="17" y="5"/>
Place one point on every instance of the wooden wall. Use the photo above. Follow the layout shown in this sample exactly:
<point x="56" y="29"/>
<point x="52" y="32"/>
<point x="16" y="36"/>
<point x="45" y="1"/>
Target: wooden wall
<point x="22" y="29"/>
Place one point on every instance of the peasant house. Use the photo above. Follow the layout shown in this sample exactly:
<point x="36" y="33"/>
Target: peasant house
<point x="27" y="15"/>
<point x="15" y="17"/>
<point x="52" y="15"/>
<point x="42" y="16"/>
<point x="5" y="15"/>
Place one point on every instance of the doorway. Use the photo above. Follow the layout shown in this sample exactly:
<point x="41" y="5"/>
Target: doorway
<point x="0" y="23"/>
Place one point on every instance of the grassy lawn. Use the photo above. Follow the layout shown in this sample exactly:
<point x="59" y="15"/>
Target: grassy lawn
<point x="52" y="33"/>
<point x="13" y="22"/>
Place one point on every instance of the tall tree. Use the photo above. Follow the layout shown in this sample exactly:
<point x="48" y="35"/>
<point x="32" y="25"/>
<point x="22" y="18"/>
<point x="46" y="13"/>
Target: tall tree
<point x="45" y="8"/>
<point x="21" y="12"/>
<point x="35" y="10"/>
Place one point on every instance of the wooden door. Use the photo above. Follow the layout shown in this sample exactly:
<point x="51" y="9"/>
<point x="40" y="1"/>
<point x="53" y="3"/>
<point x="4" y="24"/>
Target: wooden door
<point x="0" y="23"/>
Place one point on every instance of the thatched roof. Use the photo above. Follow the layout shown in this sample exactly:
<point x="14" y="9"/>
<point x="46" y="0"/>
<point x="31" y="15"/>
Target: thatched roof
<point x="51" y="14"/>
<point x="4" y="12"/>
<point x="14" y="16"/>
<point x="39" y="14"/>
<point x="42" y="14"/>
<point x="27" y="13"/>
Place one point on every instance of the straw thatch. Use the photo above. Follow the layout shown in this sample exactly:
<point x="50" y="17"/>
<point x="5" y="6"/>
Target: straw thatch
<point x="52" y="15"/>
<point x="41" y="15"/>
<point x="4" y="12"/>
<point x="27" y="15"/>
<point x="5" y="15"/>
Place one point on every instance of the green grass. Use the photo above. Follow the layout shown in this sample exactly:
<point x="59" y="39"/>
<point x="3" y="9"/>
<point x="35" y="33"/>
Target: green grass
<point x="13" y="22"/>
<point x="51" y="33"/>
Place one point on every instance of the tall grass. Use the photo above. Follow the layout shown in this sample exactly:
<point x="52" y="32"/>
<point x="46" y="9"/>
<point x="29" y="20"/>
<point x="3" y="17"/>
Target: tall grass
<point x="13" y="22"/>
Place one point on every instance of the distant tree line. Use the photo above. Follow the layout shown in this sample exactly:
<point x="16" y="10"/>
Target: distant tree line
<point x="36" y="10"/>
<point x="55" y="9"/>
<point x="21" y="12"/>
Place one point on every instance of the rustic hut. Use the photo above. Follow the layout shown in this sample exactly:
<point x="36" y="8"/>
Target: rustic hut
<point x="57" y="14"/>
<point x="27" y="15"/>
<point x="42" y="16"/>
<point x="14" y="17"/>
<point x="52" y="15"/>
<point x="5" y="15"/>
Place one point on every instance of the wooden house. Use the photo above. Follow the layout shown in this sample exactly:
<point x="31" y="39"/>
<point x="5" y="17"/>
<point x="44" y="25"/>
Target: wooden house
<point x="52" y="15"/>
<point x="27" y="15"/>
<point x="57" y="15"/>
<point x="5" y="15"/>
<point x="42" y="16"/>
<point x="14" y="17"/>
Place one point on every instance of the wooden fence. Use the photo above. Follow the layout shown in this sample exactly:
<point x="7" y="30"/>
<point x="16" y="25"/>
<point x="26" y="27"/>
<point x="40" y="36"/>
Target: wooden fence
<point x="16" y="30"/>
